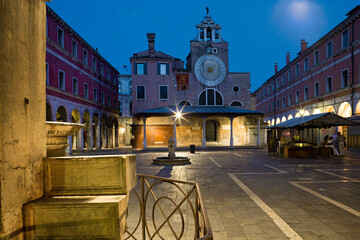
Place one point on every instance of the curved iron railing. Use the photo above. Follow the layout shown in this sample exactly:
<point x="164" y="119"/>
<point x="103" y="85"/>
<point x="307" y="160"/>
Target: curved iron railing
<point x="167" y="209"/>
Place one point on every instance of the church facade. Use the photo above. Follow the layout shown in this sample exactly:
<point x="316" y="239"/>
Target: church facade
<point x="197" y="103"/>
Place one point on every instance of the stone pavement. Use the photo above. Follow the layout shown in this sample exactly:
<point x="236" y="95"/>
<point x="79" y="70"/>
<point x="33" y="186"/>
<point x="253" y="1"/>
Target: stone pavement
<point x="251" y="195"/>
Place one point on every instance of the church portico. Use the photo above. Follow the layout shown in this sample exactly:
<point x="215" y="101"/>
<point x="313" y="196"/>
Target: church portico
<point x="199" y="126"/>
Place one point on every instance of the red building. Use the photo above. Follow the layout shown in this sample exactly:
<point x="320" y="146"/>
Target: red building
<point x="81" y="86"/>
<point x="322" y="78"/>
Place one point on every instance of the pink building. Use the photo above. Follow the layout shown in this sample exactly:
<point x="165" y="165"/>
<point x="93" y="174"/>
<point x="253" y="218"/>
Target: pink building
<point x="323" y="77"/>
<point x="81" y="86"/>
<point x="217" y="103"/>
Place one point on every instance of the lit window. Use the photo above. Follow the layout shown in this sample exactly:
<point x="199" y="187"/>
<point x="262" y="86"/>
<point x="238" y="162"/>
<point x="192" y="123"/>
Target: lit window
<point x="60" y="37"/>
<point x="140" y="92"/>
<point x="163" y="92"/>
<point x="61" y="80"/>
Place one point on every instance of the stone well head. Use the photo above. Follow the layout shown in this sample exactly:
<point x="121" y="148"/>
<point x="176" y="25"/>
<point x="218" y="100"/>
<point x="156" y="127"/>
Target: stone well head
<point x="57" y="134"/>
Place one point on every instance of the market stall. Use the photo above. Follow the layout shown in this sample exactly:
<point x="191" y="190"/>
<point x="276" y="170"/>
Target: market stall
<point x="298" y="137"/>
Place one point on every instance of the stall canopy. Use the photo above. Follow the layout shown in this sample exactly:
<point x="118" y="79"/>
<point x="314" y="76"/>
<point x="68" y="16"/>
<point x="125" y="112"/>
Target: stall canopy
<point x="322" y="120"/>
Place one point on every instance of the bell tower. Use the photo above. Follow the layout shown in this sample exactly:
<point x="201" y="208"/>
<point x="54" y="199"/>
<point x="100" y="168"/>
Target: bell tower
<point x="207" y="30"/>
<point x="208" y="41"/>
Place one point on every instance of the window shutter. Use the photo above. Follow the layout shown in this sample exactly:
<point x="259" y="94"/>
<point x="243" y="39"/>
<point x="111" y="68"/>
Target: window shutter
<point x="167" y="68"/>
<point x="135" y="68"/>
<point x="145" y="68"/>
<point x="158" y="68"/>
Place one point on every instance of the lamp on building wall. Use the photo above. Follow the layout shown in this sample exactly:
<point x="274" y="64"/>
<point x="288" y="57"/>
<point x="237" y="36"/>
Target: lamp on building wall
<point x="302" y="112"/>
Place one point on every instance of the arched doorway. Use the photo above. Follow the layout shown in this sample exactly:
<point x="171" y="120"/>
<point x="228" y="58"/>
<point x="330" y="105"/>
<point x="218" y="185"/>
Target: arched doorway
<point x="210" y="131"/>
<point x="48" y="112"/>
<point x="86" y="131"/>
<point x="75" y="118"/>
<point x="95" y="130"/>
<point x="61" y="114"/>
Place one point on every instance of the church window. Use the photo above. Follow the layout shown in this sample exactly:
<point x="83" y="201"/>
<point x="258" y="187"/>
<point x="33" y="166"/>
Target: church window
<point x="236" y="89"/>
<point x="140" y="92"/>
<point x="140" y="69"/>
<point x="163" y="69"/>
<point x="163" y="92"/>
<point x="237" y="104"/>
<point x="184" y="103"/>
<point x="210" y="97"/>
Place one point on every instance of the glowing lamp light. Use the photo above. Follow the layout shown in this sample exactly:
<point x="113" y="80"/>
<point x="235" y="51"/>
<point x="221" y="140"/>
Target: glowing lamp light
<point x="242" y="127"/>
<point x="178" y="114"/>
<point x="302" y="112"/>
<point x="122" y="130"/>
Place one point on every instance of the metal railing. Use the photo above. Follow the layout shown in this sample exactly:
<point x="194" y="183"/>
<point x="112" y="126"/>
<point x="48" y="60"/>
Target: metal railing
<point x="166" y="209"/>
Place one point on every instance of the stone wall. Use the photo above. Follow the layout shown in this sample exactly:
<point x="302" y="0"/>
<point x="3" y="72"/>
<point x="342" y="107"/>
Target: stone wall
<point x="22" y="109"/>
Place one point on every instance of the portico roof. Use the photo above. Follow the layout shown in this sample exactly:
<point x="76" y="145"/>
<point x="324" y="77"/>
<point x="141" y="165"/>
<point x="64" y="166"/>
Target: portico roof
<point x="203" y="111"/>
<point x="322" y="120"/>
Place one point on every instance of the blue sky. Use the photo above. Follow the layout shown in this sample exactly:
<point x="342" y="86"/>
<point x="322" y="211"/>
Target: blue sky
<point x="259" y="32"/>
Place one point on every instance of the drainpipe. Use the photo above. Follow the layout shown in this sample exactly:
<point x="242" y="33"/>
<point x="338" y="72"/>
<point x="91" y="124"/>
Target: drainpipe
<point x="353" y="106"/>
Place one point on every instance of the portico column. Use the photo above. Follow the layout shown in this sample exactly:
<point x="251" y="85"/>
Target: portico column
<point x="98" y="135"/>
<point x="258" y="132"/>
<point x="175" y="132"/>
<point x="231" y="132"/>
<point x="204" y="137"/>
<point x="213" y="35"/>
<point x="91" y="132"/>
<point x="80" y="143"/>
<point x="70" y="139"/>
<point x="144" y="126"/>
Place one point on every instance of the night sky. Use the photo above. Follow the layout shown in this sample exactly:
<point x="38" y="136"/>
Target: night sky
<point x="259" y="32"/>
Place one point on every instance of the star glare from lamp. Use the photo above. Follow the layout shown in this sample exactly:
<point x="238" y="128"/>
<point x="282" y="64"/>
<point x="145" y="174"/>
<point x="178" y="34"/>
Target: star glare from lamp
<point x="178" y="114"/>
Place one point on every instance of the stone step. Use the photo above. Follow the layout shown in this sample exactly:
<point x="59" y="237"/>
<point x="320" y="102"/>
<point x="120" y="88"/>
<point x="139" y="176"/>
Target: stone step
<point x="76" y="217"/>
<point x="89" y="175"/>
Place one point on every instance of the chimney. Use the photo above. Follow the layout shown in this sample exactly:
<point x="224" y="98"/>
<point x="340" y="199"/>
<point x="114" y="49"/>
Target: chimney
<point x="151" y="41"/>
<point x="303" y="45"/>
<point x="276" y="68"/>
<point x="287" y="58"/>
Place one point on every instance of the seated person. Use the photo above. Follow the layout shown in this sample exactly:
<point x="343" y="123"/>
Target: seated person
<point x="330" y="144"/>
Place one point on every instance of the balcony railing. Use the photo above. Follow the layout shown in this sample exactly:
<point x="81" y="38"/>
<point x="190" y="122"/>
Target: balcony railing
<point x="166" y="209"/>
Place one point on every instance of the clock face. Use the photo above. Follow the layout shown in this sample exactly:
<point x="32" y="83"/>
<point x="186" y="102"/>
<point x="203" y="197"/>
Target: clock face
<point x="210" y="70"/>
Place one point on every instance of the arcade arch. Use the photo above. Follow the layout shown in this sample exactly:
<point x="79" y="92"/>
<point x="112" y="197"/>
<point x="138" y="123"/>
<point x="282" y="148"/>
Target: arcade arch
<point x="61" y="114"/>
<point x="290" y="117"/>
<point x="345" y="110"/>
